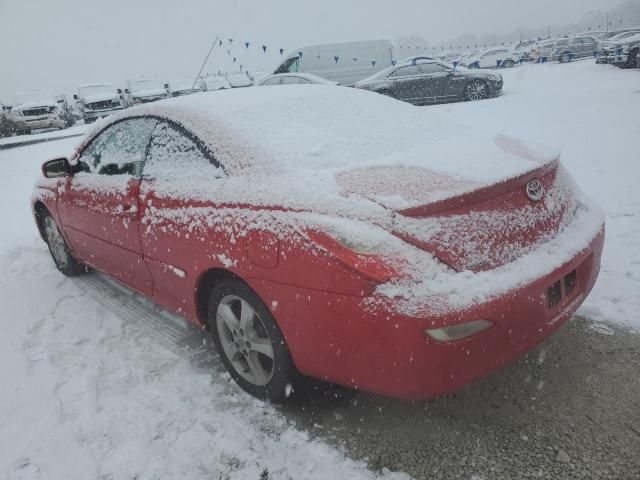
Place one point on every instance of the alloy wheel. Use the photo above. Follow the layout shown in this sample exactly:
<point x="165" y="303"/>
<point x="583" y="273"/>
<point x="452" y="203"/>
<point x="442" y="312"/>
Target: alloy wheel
<point x="245" y="340"/>
<point x="476" y="91"/>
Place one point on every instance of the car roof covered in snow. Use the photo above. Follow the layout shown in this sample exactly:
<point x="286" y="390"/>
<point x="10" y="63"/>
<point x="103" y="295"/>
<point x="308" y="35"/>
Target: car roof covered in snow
<point x="320" y="132"/>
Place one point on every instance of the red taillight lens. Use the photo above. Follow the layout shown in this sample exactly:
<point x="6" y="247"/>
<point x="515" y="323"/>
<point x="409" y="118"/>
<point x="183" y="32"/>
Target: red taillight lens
<point x="373" y="266"/>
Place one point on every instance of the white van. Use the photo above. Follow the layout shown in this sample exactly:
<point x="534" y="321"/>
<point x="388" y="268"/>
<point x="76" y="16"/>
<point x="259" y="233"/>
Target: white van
<point x="345" y="63"/>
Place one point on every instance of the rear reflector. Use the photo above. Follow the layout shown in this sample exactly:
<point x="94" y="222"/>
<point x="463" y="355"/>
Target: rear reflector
<point x="458" y="332"/>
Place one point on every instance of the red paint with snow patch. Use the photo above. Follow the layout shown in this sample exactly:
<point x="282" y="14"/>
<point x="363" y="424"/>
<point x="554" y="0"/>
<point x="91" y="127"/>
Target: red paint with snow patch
<point x="326" y="293"/>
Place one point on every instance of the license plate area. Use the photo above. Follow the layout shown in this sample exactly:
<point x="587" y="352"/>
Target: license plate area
<point x="562" y="290"/>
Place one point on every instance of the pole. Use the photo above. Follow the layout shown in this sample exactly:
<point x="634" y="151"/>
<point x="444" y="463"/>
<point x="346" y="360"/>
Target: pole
<point x="204" y="63"/>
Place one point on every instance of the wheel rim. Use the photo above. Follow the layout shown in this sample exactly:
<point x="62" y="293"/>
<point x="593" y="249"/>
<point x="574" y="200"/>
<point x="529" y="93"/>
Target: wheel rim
<point x="476" y="91"/>
<point x="244" y="340"/>
<point x="565" y="58"/>
<point x="56" y="242"/>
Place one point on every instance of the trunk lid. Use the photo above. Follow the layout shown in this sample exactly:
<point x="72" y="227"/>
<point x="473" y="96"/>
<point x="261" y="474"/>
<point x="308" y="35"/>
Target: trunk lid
<point x="470" y="224"/>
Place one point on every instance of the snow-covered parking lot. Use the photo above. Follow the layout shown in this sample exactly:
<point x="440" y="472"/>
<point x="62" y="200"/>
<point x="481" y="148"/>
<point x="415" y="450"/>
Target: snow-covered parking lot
<point x="91" y="389"/>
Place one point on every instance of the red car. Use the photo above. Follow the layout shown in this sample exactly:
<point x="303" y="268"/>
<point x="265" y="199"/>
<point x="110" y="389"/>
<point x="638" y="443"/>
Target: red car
<point x="328" y="232"/>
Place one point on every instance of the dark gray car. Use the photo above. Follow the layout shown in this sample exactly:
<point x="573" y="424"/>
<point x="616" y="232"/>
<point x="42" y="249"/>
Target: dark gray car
<point x="567" y="49"/>
<point x="428" y="82"/>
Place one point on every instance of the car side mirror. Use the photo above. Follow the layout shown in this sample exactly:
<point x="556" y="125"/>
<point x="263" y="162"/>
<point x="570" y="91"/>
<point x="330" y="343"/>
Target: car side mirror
<point x="56" y="168"/>
<point x="126" y="90"/>
<point x="75" y="97"/>
<point x="119" y="91"/>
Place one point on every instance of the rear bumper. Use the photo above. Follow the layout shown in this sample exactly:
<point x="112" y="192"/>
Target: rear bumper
<point x="372" y="344"/>
<point x="521" y="320"/>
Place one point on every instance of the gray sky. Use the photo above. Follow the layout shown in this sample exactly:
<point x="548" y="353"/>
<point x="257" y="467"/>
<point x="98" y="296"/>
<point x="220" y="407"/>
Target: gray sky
<point x="56" y="45"/>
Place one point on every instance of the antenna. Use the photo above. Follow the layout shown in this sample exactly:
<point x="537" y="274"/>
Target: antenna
<point x="204" y="63"/>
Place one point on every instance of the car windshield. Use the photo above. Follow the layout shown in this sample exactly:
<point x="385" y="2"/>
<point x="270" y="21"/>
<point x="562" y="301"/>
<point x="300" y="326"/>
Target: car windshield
<point x="147" y="84"/>
<point x="87" y="90"/>
<point x="33" y="97"/>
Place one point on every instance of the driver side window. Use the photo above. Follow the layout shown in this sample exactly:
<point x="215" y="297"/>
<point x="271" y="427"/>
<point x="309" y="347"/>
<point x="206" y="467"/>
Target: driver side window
<point x="119" y="149"/>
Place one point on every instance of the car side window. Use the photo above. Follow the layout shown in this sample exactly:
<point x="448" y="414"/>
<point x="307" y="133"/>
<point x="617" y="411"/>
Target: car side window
<point x="119" y="149"/>
<point x="176" y="155"/>
<point x="433" y="68"/>
<point x="272" y="81"/>
<point x="294" y="81"/>
<point x="406" y="71"/>
<point x="576" y="41"/>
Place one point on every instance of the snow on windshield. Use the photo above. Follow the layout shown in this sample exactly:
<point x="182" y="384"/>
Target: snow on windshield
<point x="86" y="90"/>
<point x="33" y="97"/>
<point x="147" y="84"/>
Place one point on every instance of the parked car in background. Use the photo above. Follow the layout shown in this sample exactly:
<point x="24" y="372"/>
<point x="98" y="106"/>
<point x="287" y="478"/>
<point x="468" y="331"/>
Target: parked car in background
<point x="239" y="79"/>
<point x="426" y="81"/>
<point x="542" y="50"/>
<point x="623" y="52"/>
<point x="37" y="109"/>
<point x="98" y="100"/>
<point x="214" y="82"/>
<point x="145" y="90"/>
<point x="294" y="79"/>
<point x="258" y="76"/>
<point x="329" y="232"/>
<point x="568" y="49"/>
<point x="7" y="127"/>
<point x="495" y="57"/>
<point x="179" y="88"/>
<point x="345" y="62"/>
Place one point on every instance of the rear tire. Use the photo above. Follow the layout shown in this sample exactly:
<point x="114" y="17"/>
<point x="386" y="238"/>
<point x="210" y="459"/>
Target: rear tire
<point x="476" y="90"/>
<point x="249" y="341"/>
<point x="62" y="257"/>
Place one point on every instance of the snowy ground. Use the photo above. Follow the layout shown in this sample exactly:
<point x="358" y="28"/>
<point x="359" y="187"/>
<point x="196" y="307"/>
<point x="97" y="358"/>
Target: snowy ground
<point x="88" y="393"/>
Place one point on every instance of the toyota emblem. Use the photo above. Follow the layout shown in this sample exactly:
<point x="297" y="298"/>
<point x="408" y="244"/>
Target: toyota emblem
<point x="535" y="190"/>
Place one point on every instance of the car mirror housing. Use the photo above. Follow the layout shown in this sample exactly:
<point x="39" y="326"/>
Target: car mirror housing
<point x="56" y="168"/>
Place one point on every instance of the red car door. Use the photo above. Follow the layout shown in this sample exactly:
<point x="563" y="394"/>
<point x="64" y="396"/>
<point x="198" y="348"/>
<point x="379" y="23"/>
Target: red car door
<point x="99" y="208"/>
<point x="177" y="165"/>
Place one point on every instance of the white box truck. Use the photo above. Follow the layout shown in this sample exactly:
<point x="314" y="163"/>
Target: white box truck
<point x="345" y="62"/>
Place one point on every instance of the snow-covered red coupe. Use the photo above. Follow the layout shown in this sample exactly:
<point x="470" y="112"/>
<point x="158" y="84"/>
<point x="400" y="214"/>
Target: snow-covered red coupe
<point x="329" y="232"/>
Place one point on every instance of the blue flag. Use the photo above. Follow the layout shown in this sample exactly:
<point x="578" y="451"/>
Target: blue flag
<point x="246" y="44"/>
<point x="264" y="48"/>
<point x="336" y="59"/>
<point x="373" y="63"/>
<point x="281" y="51"/>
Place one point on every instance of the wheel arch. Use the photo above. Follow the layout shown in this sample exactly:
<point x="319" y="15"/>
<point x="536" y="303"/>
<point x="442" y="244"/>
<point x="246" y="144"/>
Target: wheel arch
<point x="39" y="209"/>
<point x="209" y="279"/>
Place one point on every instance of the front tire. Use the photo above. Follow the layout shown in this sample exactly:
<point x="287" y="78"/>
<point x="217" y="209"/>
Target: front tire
<point x="62" y="257"/>
<point x="508" y="64"/>
<point x="249" y="341"/>
<point x="565" y="58"/>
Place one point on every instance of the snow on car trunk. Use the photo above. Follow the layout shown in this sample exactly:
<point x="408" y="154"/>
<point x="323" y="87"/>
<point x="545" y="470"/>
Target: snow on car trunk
<point x="473" y="222"/>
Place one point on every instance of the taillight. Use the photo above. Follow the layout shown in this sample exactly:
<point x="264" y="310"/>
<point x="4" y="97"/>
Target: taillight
<point x="371" y="265"/>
